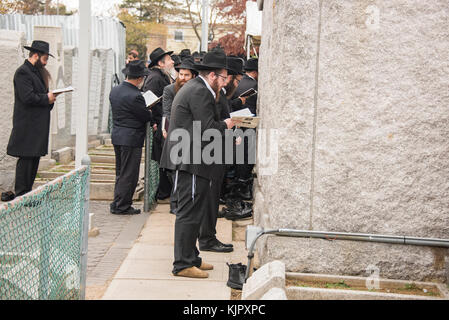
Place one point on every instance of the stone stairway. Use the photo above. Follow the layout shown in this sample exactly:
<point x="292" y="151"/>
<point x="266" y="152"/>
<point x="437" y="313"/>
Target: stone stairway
<point x="102" y="174"/>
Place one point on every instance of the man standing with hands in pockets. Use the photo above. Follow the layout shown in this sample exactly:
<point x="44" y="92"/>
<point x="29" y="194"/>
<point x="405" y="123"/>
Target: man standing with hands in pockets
<point x="195" y="104"/>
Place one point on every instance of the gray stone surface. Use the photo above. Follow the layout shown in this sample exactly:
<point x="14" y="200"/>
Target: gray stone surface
<point x="269" y="276"/>
<point x="298" y="293"/>
<point x="12" y="56"/>
<point x="64" y="156"/>
<point x="275" y="294"/>
<point x="364" y="92"/>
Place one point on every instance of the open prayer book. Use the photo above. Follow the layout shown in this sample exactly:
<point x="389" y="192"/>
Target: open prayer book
<point x="245" y="119"/>
<point x="64" y="90"/>
<point x="248" y="93"/>
<point x="151" y="99"/>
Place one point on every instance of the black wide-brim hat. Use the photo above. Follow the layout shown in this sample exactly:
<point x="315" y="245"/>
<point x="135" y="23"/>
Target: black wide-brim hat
<point x="40" y="46"/>
<point x="157" y="55"/>
<point x="252" y="65"/>
<point x="188" y="64"/>
<point x="235" y="66"/>
<point x="213" y="60"/>
<point x="136" y="68"/>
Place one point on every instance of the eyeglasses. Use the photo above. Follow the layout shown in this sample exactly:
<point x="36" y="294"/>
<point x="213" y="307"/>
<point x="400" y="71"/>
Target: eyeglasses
<point x="219" y="75"/>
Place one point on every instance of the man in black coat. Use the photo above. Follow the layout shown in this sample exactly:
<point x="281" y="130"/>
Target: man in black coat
<point x="130" y="117"/>
<point x="244" y="171"/>
<point x="249" y="81"/>
<point x="207" y="239"/>
<point x="31" y="120"/>
<point x="194" y="111"/>
<point x="186" y="72"/>
<point x="157" y="80"/>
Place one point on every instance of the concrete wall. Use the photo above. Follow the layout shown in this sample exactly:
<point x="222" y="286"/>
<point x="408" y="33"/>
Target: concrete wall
<point x="11" y="56"/>
<point x="361" y="88"/>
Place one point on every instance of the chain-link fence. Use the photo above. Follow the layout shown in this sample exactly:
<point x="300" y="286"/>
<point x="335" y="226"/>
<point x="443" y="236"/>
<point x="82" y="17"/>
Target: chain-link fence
<point x="151" y="172"/>
<point x="43" y="241"/>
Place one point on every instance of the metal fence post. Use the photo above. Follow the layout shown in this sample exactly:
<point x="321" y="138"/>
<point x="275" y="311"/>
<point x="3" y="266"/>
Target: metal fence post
<point x="85" y="232"/>
<point x="44" y="261"/>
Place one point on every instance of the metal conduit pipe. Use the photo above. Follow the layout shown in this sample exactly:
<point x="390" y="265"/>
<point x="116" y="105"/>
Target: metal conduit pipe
<point x="254" y="233"/>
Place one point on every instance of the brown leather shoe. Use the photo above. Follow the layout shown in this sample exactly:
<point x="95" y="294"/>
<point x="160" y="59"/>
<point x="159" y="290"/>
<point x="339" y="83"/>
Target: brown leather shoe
<point x="205" y="266"/>
<point x="192" y="272"/>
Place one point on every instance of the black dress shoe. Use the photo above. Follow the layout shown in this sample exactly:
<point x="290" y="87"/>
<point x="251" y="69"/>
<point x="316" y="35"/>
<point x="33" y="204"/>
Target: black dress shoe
<point x="217" y="248"/>
<point x="8" y="196"/>
<point x="239" y="215"/>
<point x="130" y="211"/>
<point x="225" y="244"/>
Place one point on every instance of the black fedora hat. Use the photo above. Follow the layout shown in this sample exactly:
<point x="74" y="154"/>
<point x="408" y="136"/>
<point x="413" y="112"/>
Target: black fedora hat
<point x="157" y="55"/>
<point x="40" y="46"/>
<point x="176" y="59"/>
<point x="185" y="53"/>
<point x="136" y="69"/>
<point x="235" y="66"/>
<point x="215" y="59"/>
<point x="188" y="64"/>
<point x="252" y="65"/>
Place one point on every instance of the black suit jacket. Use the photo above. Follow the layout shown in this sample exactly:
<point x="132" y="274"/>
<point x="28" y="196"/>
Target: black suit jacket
<point x="31" y="119"/>
<point x="167" y="100"/>
<point x="130" y="116"/>
<point x="156" y="81"/>
<point x="251" y="103"/>
<point x="194" y="102"/>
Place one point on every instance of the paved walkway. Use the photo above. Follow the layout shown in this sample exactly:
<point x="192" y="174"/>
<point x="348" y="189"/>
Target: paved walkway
<point x="108" y="250"/>
<point x="146" y="272"/>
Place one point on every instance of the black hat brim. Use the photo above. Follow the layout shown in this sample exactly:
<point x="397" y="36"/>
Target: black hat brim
<point x="156" y="60"/>
<point x="201" y="67"/>
<point x="138" y="75"/>
<point x="38" y="50"/>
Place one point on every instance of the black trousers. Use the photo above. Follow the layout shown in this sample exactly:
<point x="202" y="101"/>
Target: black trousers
<point x="165" y="185"/>
<point x="208" y="228"/>
<point x="173" y="196"/>
<point x="127" y="168"/>
<point x="192" y="193"/>
<point x="26" y="171"/>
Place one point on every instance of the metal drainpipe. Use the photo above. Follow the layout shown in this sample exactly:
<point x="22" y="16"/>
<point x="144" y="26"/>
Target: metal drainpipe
<point x="259" y="232"/>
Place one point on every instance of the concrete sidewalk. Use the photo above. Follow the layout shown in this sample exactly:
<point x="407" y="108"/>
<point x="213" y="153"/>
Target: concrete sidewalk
<point x="146" y="272"/>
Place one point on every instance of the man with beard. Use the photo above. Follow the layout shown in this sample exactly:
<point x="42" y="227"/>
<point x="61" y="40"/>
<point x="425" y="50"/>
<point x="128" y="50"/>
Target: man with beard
<point x="186" y="72"/>
<point x="130" y="117"/>
<point x="207" y="239"/>
<point x="194" y="111"/>
<point x="161" y="68"/>
<point x="31" y="120"/>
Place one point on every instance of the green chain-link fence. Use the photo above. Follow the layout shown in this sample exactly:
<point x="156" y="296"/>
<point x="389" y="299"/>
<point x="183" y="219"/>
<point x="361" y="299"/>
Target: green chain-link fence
<point x="151" y="172"/>
<point x="43" y="241"/>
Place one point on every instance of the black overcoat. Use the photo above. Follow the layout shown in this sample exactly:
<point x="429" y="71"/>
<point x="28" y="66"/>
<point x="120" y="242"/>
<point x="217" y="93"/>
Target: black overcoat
<point x="31" y="119"/>
<point x="251" y="103"/>
<point x="194" y="102"/>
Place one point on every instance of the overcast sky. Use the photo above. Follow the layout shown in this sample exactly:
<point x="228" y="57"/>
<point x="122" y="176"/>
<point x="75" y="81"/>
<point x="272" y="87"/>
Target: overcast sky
<point x="99" y="7"/>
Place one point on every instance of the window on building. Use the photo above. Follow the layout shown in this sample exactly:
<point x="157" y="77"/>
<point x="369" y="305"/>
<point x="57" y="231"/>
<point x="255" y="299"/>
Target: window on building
<point x="179" y="35"/>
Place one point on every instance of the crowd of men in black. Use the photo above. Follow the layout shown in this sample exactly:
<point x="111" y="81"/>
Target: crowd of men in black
<point x="204" y="87"/>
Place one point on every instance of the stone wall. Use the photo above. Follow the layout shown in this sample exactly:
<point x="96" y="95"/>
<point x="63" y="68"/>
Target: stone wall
<point x="362" y="90"/>
<point x="11" y="57"/>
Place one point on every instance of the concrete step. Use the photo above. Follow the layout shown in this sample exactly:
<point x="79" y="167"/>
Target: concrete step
<point x="96" y="176"/>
